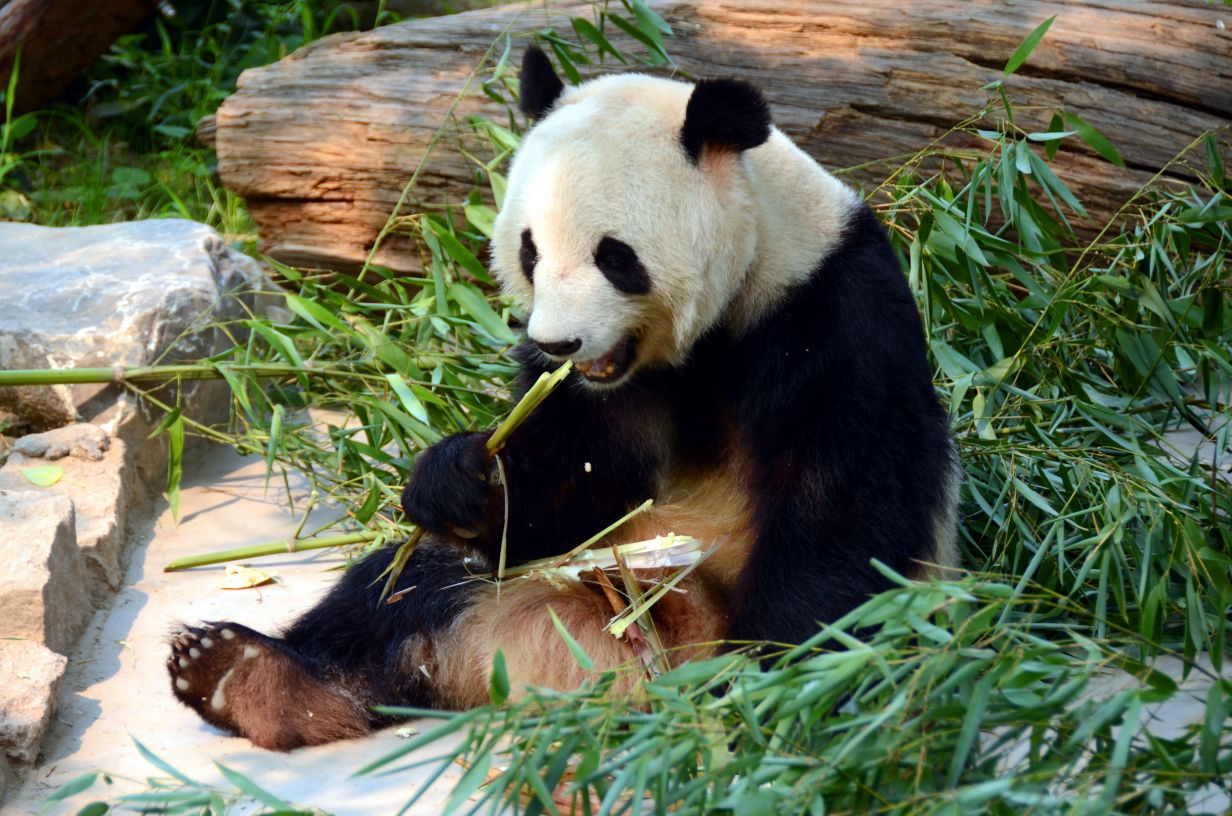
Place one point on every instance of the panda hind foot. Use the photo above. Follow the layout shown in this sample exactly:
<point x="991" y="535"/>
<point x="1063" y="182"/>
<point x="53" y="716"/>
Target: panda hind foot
<point x="249" y="684"/>
<point x="204" y="660"/>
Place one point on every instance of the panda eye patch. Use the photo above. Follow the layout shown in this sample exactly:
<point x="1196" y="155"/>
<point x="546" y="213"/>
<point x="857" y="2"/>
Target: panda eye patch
<point x="620" y="265"/>
<point x="528" y="255"/>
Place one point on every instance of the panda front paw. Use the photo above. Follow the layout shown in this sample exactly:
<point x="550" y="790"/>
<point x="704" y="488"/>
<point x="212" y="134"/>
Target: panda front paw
<point x="451" y="489"/>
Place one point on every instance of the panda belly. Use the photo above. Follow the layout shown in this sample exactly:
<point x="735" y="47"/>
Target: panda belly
<point x="690" y="621"/>
<point x="715" y="508"/>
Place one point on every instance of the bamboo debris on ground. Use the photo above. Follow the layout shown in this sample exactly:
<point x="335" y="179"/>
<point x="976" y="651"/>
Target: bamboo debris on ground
<point x="286" y="545"/>
<point x="158" y="374"/>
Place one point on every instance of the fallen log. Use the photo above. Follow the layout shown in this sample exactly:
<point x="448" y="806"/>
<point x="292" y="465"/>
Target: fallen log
<point x="57" y="39"/>
<point x="322" y="143"/>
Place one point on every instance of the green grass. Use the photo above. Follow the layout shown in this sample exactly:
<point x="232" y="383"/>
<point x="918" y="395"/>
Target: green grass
<point x="121" y="143"/>
<point x="1092" y="545"/>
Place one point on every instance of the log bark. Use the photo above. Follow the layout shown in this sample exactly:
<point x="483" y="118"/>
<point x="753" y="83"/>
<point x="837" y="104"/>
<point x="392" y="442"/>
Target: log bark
<point x="57" y="40"/>
<point x="322" y="143"/>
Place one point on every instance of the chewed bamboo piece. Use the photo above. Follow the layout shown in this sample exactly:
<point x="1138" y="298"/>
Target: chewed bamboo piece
<point x="671" y="551"/>
<point x="652" y="656"/>
<point x="661" y="552"/>
<point x="534" y="395"/>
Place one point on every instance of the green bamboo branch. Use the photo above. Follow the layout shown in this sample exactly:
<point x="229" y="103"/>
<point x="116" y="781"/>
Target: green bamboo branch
<point x="286" y="545"/>
<point x="163" y="373"/>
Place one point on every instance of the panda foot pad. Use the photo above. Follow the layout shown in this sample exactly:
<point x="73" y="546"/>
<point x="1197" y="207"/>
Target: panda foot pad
<point x="203" y="661"/>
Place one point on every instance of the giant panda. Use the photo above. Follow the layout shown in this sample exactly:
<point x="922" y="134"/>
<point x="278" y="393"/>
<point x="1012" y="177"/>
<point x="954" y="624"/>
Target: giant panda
<point x="745" y="350"/>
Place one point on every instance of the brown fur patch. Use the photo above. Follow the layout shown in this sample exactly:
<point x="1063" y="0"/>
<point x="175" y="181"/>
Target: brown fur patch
<point x="517" y="622"/>
<point x="277" y="705"/>
<point x="243" y="682"/>
<point x="688" y="621"/>
<point x="715" y="509"/>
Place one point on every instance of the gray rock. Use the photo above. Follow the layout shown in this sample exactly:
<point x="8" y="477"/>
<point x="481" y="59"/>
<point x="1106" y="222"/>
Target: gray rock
<point x="102" y="491"/>
<point x="138" y="293"/>
<point x="81" y="439"/>
<point x="29" y="677"/>
<point x="44" y="585"/>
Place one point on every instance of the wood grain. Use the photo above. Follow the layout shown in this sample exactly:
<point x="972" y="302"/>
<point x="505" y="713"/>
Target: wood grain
<point x="322" y="143"/>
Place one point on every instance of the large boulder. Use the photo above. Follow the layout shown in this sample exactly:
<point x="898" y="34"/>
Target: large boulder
<point x="44" y="585"/>
<point x="138" y="293"/>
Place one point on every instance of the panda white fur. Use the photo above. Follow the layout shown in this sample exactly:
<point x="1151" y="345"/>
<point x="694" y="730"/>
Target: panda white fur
<point x="746" y="352"/>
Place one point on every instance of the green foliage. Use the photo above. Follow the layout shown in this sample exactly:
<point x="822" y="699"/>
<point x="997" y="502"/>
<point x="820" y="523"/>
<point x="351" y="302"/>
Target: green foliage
<point x="122" y="144"/>
<point x="1067" y="363"/>
<point x="969" y="699"/>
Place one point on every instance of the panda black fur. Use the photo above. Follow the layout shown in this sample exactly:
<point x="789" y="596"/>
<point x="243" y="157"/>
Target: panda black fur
<point x="748" y="353"/>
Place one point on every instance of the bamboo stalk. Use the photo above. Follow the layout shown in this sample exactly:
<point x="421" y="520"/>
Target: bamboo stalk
<point x="536" y="394"/>
<point x="142" y="374"/>
<point x="271" y="548"/>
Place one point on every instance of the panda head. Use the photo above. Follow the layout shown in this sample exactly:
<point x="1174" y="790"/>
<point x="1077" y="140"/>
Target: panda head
<point x="628" y="222"/>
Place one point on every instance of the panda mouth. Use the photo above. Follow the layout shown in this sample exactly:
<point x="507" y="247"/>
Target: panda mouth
<point x="611" y="366"/>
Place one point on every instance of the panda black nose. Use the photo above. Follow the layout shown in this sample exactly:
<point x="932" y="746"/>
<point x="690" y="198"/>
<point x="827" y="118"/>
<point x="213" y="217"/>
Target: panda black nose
<point x="560" y="349"/>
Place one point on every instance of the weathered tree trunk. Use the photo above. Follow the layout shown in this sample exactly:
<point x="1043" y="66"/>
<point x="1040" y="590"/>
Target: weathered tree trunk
<point x="323" y="142"/>
<point x="57" y="39"/>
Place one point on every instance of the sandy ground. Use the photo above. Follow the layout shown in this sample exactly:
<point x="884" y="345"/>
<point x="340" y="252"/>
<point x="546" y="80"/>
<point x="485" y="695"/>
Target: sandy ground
<point x="116" y="689"/>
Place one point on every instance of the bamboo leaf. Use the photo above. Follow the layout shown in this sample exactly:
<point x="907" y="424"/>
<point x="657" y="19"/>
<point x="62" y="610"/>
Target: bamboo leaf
<point x="575" y="648"/>
<point x="1024" y="50"/>
<point x="163" y="765"/>
<point x="460" y="254"/>
<point x="316" y="314"/>
<point x="475" y="776"/>
<point x="1098" y="142"/>
<point x="587" y="30"/>
<point x="254" y="790"/>
<point x="74" y="786"/>
<point x="409" y="401"/>
<point x="43" y="475"/>
<point x="473" y="303"/>
<point x="498" y="683"/>
<point x="174" y="426"/>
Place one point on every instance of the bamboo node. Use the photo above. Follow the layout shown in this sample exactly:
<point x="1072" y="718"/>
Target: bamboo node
<point x="117" y="375"/>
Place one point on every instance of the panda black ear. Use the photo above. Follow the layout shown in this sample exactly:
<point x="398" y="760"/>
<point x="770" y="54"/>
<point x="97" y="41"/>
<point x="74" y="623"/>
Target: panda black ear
<point x="724" y="114"/>
<point x="540" y="87"/>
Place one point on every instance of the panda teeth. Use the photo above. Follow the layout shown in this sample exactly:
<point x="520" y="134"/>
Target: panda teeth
<point x="602" y="367"/>
<point x="606" y="366"/>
